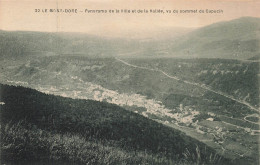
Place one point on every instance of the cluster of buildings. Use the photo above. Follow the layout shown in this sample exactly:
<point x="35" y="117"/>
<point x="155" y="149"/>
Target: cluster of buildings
<point x="88" y="90"/>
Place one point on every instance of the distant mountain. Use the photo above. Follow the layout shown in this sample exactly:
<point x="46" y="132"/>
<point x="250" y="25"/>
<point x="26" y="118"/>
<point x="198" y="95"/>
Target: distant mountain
<point x="236" y="39"/>
<point x="24" y="43"/>
<point x="144" y="34"/>
<point x="20" y="43"/>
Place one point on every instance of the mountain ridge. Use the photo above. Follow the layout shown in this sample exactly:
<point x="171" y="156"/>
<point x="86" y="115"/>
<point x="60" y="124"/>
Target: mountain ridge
<point x="235" y="39"/>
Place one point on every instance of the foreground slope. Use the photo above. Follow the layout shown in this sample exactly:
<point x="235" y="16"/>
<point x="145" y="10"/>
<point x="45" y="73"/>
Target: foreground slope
<point x="37" y="126"/>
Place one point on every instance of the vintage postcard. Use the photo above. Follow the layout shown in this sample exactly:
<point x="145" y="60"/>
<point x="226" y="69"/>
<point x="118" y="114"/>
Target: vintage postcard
<point x="145" y="82"/>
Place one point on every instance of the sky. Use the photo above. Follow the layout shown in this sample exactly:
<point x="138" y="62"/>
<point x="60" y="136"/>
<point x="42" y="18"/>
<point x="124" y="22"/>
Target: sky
<point x="20" y="15"/>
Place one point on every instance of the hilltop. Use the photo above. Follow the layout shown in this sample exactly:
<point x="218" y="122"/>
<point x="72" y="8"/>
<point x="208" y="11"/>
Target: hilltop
<point x="235" y="39"/>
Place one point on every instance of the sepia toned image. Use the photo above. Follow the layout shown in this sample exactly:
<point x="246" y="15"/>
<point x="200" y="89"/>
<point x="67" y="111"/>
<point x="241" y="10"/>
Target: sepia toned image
<point x="119" y="82"/>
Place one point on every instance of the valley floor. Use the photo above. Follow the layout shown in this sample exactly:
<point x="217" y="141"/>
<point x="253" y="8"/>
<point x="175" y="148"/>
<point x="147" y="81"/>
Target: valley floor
<point x="235" y="137"/>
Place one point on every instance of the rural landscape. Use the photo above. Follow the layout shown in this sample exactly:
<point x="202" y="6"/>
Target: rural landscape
<point x="73" y="98"/>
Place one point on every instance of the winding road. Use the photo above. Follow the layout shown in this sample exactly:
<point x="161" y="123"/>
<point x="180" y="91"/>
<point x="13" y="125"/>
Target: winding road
<point x="252" y="115"/>
<point x="192" y="83"/>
